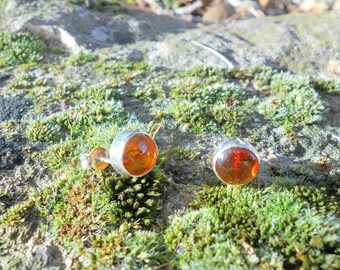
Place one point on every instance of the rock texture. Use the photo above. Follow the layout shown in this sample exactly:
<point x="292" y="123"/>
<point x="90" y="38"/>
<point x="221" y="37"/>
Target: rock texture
<point x="303" y="43"/>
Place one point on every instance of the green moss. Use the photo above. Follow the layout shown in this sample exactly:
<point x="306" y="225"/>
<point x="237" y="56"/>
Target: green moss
<point x="76" y="121"/>
<point x="64" y="91"/>
<point x="263" y="76"/>
<point x="135" y="199"/>
<point x="99" y="5"/>
<point x="81" y="58"/>
<point x="58" y="51"/>
<point x="104" y="91"/>
<point x="43" y="130"/>
<point x="181" y="153"/>
<point x="205" y="72"/>
<point x="326" y="87"/>
<point x="118" y="198"/>
<point x="245" y="227"/>
<point x="3" y="193"/>
<point x="203" y="107"/>
<point x="18" y="214"/>
<point x="318" y="199"/>
<point x="208" y="101"/>
<point x="45" y="97"/>
<point x="137" y="250"/>
<point x="109" y="221"/>
<point x="20" y="48"/>
<point x="25" y="81"/>
<point x="83" y="208"/>
<point x="292" y="101"/>
<point x="149" y="92"/>
<point x="230" y="118"/>
<point x="191" y="90"/>
<point x="128" y="70"/>
<point x="60" y="154"/>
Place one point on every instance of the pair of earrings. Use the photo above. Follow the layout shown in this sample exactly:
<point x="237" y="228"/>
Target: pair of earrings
<point x="134" y="153"/>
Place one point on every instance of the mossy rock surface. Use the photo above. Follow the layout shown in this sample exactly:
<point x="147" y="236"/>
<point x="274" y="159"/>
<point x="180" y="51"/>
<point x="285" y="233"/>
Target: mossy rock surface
<point x="53" y="213"/>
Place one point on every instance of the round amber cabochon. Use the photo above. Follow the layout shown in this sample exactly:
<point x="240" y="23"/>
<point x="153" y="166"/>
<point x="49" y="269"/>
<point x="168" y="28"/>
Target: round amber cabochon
<point x="139" y="154"/>
<point x="95" y="155"/>
<point x="237" y="165"/>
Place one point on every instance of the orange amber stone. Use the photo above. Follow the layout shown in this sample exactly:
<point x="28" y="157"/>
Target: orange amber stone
<point x="139" y="154"/>
<point x="95" y="156"/>
<point x="237" y="165"/>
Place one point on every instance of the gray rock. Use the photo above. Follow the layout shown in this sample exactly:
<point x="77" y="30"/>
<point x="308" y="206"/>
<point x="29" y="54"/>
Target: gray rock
<point x="13" y="107"/>
<point x="65" y="25"/>
<point x="49" y="255"/>
<point x="10" y="153"/>
<point x="27" y="234"/>
<point x="303" y="44"/>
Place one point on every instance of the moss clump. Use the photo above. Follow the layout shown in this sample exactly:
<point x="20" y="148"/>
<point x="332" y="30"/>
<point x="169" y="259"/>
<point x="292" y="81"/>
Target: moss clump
<point x="25" y="81"/>
<point x="326" y="87"/>
<point x="43" y="130"/>
<point x="262" y="77"/>
<point x="135" y="199"/>
<point x="213" y="99"/>
<point x="127" y="250"/>
<point x="61" y="92"/>
<point x="56" y="156"/>
<point x="20" y="48"/>
<point x="206" y="72"/>
<point x="318" y="198"/>
<point x="203" y="107"/>
<point x="127" y="70"/>
<point x="81" y="58"/>
<point x="112" y="199"/>
<point x="247" y="227"/>
<point x="103" y="91"/>
<point x="231" y="118"/>
<point x="18" y="214"/>
<point x="149" y="92"/>
<point x="293" y="101"/>
<point x="76" y="121"/>
<point x="100" y="4"/>
<point x="181" y="153"/>
<point x="227" y="93"/>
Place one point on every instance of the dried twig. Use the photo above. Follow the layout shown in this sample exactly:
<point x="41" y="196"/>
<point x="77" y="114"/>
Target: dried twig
<point x="257" y="13"/>
<point x="217" y="53"/>
<point x="189" y="9"/>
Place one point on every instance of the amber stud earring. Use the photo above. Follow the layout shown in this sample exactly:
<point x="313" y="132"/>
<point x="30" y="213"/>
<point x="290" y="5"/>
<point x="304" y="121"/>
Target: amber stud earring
<point x="132" y="153"/>
<point x="235" y="162"/>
